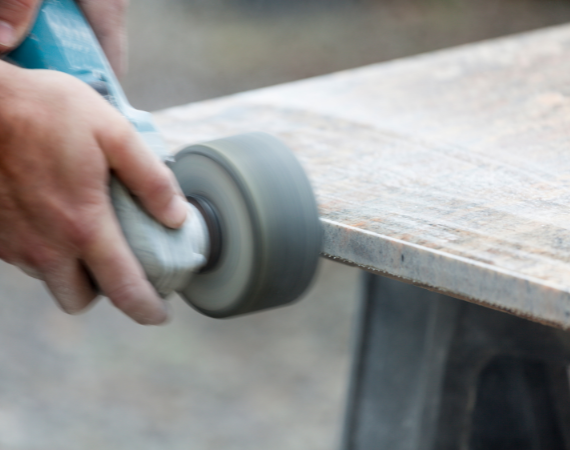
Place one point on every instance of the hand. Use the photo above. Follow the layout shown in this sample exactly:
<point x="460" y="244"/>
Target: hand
<point x="59" y="140"/>
<point x="107" y="18"/>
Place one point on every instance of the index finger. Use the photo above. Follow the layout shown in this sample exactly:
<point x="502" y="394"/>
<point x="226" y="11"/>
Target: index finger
<point x="143" y="173"/>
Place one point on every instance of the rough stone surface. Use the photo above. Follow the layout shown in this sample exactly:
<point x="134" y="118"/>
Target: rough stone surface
<point x="448" y="170"/>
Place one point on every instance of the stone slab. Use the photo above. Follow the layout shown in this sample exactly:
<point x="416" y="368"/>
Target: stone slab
<point x="449" y="170"/>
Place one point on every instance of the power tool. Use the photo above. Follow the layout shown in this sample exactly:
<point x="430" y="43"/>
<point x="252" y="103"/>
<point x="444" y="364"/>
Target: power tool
<point x="253" y="239"/>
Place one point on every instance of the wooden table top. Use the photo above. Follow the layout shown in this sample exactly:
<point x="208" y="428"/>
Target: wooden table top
<point x="449" y="170"/>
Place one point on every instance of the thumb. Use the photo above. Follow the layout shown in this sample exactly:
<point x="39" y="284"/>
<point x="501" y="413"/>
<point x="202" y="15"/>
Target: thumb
<point x="16" y="18"/>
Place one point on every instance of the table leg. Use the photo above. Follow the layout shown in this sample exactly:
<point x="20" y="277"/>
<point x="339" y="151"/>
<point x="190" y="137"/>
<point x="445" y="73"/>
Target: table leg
<point x="432" y="372"/>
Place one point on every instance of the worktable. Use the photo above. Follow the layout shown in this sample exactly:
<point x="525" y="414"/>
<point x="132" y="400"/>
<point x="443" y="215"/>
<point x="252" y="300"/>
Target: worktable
<point x="449" y="171"/>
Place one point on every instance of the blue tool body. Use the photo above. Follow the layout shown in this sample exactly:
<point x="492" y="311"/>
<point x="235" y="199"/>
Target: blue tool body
<point x="62" y="39"/>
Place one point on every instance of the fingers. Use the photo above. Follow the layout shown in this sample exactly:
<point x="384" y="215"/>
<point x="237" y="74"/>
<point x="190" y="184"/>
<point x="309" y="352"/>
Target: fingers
<point x="70" y="285"/>
<point x="107" y="18"/>
<point x="16" y="17"/>
<point x="120" y="275"/>
<point x="146" y="177"/>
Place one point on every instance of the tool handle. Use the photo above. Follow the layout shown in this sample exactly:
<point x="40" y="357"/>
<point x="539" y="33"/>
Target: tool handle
<point x="62" y="39"/>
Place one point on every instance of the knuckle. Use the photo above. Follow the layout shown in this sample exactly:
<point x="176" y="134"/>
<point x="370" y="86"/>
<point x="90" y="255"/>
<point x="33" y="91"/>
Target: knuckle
<point x="119" y="136"/>
<point x="159" y="186"/>
<point x="77" y="223"/>
<point x="81" y="229"/>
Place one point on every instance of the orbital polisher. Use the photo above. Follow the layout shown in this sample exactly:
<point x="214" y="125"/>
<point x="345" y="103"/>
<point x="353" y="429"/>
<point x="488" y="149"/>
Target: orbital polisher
<point x="253" y="238"/>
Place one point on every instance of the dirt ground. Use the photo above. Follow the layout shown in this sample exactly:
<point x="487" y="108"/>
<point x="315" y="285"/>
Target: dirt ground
<point x="275" y="380"/>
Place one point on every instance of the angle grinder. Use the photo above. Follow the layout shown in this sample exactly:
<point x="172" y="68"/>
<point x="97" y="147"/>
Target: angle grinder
<point x="253" y="237"/>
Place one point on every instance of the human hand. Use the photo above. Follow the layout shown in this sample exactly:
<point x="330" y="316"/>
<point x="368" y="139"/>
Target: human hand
<point x="59" y="140"/>
<point x="107" y="18"/>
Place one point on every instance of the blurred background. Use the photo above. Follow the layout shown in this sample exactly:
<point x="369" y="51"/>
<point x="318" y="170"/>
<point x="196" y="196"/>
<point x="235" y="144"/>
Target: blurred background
<point x="274" y="380"/>
<point x="188" y="50"/>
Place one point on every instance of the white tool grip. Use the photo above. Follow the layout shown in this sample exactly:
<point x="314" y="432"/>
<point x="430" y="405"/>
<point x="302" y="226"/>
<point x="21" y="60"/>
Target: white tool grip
<point x="169" y="257"/>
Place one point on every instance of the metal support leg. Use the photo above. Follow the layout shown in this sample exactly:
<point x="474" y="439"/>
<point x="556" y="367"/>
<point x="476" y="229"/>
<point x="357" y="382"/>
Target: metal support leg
<point x="435" y="373"/>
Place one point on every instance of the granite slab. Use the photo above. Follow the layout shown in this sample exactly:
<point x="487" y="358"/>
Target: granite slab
<point x="449" y="170"/>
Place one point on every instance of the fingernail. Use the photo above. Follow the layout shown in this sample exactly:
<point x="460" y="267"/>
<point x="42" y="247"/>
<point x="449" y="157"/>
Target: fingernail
<point x="176" y="212"/>
<point x="7" y="34"/>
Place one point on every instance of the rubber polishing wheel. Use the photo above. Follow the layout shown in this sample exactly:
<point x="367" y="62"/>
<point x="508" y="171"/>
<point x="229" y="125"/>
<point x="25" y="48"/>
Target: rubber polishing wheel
<point x="270" y="230"/>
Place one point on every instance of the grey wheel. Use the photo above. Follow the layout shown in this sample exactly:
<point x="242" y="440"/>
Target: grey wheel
<point x="269" y="236"/>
